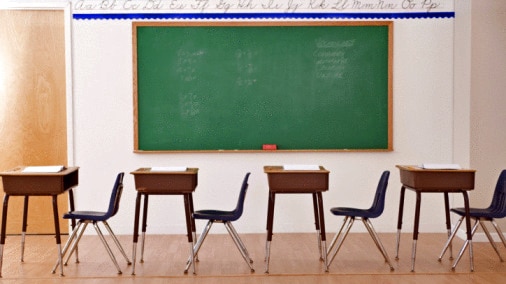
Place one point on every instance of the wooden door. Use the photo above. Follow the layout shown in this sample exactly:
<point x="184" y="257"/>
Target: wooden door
<point x="33" y="127"/>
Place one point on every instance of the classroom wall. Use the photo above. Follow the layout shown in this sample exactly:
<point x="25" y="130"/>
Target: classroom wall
<point x="488" y="100"/>
<point x="434" y="108"/>
<point x="103" y="134"/>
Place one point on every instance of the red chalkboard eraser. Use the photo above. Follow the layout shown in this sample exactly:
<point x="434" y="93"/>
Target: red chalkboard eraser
<point x="269" y="147"/>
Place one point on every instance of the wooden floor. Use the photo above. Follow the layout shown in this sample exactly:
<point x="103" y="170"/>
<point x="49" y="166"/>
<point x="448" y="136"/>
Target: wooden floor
<point x="294" y="259"/>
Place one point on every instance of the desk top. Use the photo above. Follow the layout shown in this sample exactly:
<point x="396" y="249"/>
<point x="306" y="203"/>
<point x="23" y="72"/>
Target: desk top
<point x="281" y="170"/>
<point x="412" y="168"/>
<point x="18" y="171"/>
<point x="436" y="180"/>
<point x="148" y="171"/>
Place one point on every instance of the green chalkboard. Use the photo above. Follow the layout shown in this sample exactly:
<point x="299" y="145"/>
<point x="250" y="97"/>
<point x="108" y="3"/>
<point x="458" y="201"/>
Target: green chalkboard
<point x="238" y="85"/>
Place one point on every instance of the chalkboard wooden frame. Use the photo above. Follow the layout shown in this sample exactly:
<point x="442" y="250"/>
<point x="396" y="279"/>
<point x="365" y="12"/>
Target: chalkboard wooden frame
<point x="387" y="144"/>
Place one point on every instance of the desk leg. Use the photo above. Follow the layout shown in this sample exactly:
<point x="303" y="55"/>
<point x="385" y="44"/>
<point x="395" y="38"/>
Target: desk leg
<point x="23" y="229"/>
<point x="270" y="221"/>
<point x="144" y="224"/>
<point x="399" y="221"/>
<point x="194" y="228"/>
<point x="469" y="241"/>
<point x="136" y="230"/>
<point x="4" y="224"/>
<point x="73" y="221"/>
<point x="415" y="229"/>
<point x="189" y="227"/>
<point x="57" y="231"/>
<point x="322" y="230"/>
<point x="317" y="223"/>
<point x="448" y="222"/>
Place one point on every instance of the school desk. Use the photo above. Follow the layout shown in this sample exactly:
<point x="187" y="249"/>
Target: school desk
<point x="19" y="183"/>
<point x="443" y="181"/>
<point x="163" y="182"/>
<point x="312" y="182"/>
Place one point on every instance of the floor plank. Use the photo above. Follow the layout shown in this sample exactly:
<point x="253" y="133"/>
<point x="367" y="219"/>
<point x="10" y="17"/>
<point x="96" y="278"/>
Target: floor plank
<point x="294" y="259"/>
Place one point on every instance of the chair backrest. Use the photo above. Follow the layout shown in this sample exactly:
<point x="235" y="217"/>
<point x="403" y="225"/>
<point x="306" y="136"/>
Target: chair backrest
<point x="498" y="204"/>
<point x="117" y="190"/>
<point x="242" y="196"/>
<point x="378" y="204"/>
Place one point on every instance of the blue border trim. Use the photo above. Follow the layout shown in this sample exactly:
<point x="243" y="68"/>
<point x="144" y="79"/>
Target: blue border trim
<point x="230" y="16"/>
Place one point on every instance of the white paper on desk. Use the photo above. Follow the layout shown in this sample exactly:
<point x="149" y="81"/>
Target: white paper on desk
<point x="168" y="169"/>
<point x="430" y="166"/>
<point x="43" y="169"/>
<point x="301" y="167"/>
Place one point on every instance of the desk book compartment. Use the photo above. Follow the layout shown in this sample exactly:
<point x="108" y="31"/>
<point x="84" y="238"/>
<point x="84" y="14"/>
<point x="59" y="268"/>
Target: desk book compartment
<point x="40" y="183"/>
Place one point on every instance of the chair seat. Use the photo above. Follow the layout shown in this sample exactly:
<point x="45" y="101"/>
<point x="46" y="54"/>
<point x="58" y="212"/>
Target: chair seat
<point x="354" y="212"/>
<point x="216" y="215"/>
<point x="88" y="215"/>
<point x="487" y="213"/>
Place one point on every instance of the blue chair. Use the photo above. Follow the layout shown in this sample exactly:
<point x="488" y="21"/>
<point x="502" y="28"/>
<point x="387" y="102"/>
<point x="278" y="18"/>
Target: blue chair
<point x="496" y="210"/>
<point x="226" y="217"/>
<point x="94" y="217"/>
<point x="350" y="214"/>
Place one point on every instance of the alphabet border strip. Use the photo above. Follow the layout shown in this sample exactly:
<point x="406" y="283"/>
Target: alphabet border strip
<point x="256" y="16"/>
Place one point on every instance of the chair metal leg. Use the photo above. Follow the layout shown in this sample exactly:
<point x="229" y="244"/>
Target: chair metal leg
<point x="376" y="239"/>
<point x="238" y="243"/>
<point x="116" y="241"/>
<point x="491" y="240"/>
<point x="243" y="247"/>
<point x="196" y="247"/>
<point x="341" y="240"/>
<point x="450" y="238"/>
<point x="68" y="245"/>
<point x="466" y="244"/>
<point x="336" y="236"/>
<point x="99" y="232"/>
<point x="499" y="232"/>
<point x="73" y="246"/>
